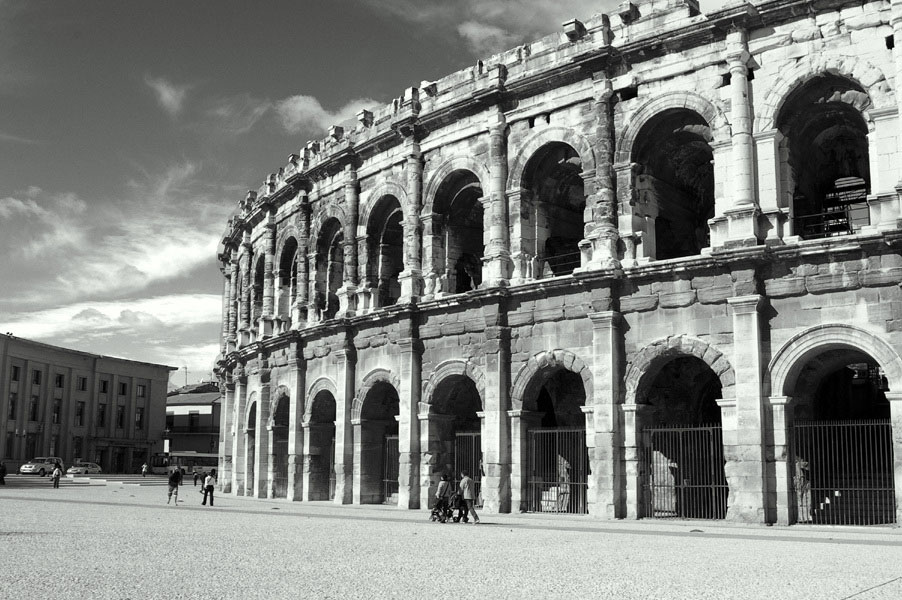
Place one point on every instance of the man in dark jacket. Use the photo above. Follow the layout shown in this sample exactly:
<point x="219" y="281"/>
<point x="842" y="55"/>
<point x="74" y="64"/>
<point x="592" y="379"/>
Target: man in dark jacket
<point x="175" y="480"/>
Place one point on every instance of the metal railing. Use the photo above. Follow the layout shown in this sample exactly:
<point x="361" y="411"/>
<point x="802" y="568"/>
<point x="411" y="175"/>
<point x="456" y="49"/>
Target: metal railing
<point x="390" y="470"/>
<point x="468" y="457"/>
<point x="558" y="471"/>
<point x="684" y="475"/>
<point x="555" y="265"/>
<point x="842" y="220"/>
<point x="842" y="472"/>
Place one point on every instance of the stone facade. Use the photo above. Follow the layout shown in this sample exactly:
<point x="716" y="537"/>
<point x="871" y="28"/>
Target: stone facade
<point x="655" y="217"/>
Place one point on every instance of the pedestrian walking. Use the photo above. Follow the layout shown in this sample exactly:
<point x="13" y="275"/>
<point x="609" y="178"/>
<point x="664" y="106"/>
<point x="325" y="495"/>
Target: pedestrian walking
<point x="208" y="484"/>
<point x="144" y="470"/>
<point x="175" y="480"/>
<point x="468" y="494"/>
<point x="57" y="473"/>
<point x="2" y="473"/>
<point x="196" y="476"/>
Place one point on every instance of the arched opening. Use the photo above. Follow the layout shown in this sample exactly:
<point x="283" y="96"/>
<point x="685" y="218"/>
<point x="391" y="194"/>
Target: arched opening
<point x="330" y="261"/>
<point x="250" y="451"/>
<point x="377" y="445"/>
<point x="280" y="447"/>
<point x="552" y="179"/>
<point x="288" y="279"/>
<point x="321" y="454"/>
<point x="682" y="452"/>
<point x="456" y="233"/>
<point x="257" y="291"/>
<point x="825" y="163"/>
<point x="842" y="452"/>
<point x="558" y="461"/>
<point x="385" y="248"/>
<point x="674" y="183"/>
<point x="454" y="435"/>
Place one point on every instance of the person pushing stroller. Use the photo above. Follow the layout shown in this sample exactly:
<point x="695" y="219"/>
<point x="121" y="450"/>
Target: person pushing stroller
<point x="441" y="512"/>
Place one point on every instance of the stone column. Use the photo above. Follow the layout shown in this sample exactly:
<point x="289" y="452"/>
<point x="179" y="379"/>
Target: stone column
<point x="299" y="315"/>
<point x="237" y="433"/>
<point x="742" y="416"/>
<point x="265" y="327"/>
<point x="411" y="278"/>
<point x="244" y="323"/>
<point x="895" y="412"/>
<point x="496" y="263"/>
<point x="346" y="293"/>
<point x="344" y="442"/>
<point x="600" y="244"/>
<point x="261" y="453"/>
<point x="232" y="337"/>
<point x="227" y="437"/>
<point x="314" y="315"/>
<point x="296" y="432"/>
<point x="742" y="214"/>
<point x="634" y="475"/>
<point x="521" y="421"/>
<point x="226" y="301"/>
<point x="602" y="436"/>
<point x="364" y="284"/>
<point x="781" y="504"/>
<point x="409" y="392"/>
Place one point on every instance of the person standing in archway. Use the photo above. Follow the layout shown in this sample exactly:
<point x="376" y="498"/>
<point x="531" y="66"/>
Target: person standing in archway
<point x="468" y="494"/>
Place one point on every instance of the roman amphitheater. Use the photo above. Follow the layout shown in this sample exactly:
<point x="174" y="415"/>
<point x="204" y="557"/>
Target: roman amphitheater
<point x="646" y="267"/>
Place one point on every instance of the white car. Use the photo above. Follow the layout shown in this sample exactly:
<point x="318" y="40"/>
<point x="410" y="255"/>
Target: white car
<point x="41" y="465"/>
<point x="84" y="469"/>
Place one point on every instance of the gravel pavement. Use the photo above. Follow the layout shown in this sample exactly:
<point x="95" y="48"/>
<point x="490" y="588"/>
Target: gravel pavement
<point x="124" y="541"/>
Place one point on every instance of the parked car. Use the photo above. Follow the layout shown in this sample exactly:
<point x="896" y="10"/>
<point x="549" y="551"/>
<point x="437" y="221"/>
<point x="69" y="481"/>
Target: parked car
<point x="84" y="469"/>
<point x="41" y="465"/>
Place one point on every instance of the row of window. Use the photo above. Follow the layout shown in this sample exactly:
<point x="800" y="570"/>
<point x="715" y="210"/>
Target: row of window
<point x="60" y="382"/>
<point x="31" y="445"/>
<point x="79" y="412"/>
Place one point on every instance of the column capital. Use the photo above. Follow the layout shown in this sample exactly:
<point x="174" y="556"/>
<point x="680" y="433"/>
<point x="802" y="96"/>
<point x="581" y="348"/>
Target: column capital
<point x="606" y="319"/>
<point x="743" y="305"/>
<point x="894" y="396"/>
<point x="780" y="400"/>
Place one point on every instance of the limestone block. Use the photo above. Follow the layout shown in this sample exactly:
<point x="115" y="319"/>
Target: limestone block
<point x="787" y="286"/>
<point x="881" y="277"/>
<point x="555" y="313"/>
<point x="714" y="294"/>
<point x="819" y="284"/>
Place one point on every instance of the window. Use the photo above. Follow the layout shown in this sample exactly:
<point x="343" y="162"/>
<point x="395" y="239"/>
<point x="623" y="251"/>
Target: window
<point x="101" y="415"/>
<point x="54" y="444"/>
<point x="80" y="414"/>
<point x="36" y="377"/>
<point x="15" y="373"/>
<point x="77" y="447"/>
<point x="123" y="389"/>
<point x="141" y="391"/>
<point x="193" y="422"/>
<point x="33" y="409"/>
<point x="104" y="386"/>
<point x="13" y="397"/>
<point x="60" y="380"/>
<point x="120" y="417"/>
<point x="82" y="384"/>
<point x="170" y="421"/>
<point x="139" y="417"/>
<point x="57" y="410"/>
<point x="10" y="440"/>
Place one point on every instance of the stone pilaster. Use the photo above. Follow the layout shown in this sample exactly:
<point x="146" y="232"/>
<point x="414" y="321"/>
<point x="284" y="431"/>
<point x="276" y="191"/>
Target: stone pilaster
<point x="346" y="293"/>
<point x="300" y="314"/>
<point x="314" y="312"/>
<point x="634" y="475"/>
<point x="262" y="472"/>
<point x="896" y="22"/>
<point x="496" y="427"/>
<point x="433" y="459"/>
<point x="771" y="197"/>
<point x="244" y="324"/>
<point x="781" y="504"/>
<point x="895" y="414"/>
<point x="344" y="441"/>
<point x="232" y="337"/>
<point x="521" y="421"/>
<point x="226" y="301"/>
<point x="496" y="263"/>
<point x="265" y="327"/>
<point x="743" y="416"/>
<point x="411" y="277"/>
<point x="227" y="437"/>
<point x="409" y="392"/>
<point x="237" y="432"/>
<point x="296" y="433"/>
<point x="602" y="431"/>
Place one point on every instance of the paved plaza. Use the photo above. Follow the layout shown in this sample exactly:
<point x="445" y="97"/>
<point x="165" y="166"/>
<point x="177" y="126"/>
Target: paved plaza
<point x="124" y="541"/>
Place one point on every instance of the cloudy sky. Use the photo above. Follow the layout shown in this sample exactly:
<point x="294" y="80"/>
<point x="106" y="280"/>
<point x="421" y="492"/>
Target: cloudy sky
<point x="129" y="131"/>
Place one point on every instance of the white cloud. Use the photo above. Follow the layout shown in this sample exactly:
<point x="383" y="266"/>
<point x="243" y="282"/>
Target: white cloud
<point x="170" y="96"/>
<point x="8" y="137"/>
<point x="305" y="113"/>
<point x="238" y="114"/>
<point x="485" y="39"/>
<point x="36" y="222"/>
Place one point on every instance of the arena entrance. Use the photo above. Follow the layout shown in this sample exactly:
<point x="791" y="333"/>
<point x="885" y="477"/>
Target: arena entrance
<point x="454" y="436"/>
<point x="279" y="456"/>
<point x="558" y="459"/>
<point x="681" y="455"/>
<point x="378" y="449"/>
<point x="841" y="442"/>
<point x="321" y="447"/>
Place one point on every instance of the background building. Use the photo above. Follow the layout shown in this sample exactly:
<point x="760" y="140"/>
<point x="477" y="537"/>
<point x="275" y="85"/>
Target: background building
<point x="647" y="267"/>
<point x="79" y="406"/>
<point x="192" y="418"/>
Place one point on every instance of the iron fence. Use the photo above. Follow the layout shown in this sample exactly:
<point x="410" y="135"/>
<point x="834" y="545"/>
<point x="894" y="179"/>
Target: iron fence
<point x="468" y="457"/>
<point x="332" y="470"/>
<point x="683" y="473"/>
<point x="280" y="468"/>
<point x="390" y="470"/>
<point x="842" y="472"/>
<point x="558" y="471"/>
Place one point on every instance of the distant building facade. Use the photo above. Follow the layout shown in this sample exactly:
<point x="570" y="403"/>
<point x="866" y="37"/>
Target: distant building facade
<point x="79" y="406"/>
<point x="192" y="418"/>
<point x="646" y="267"/>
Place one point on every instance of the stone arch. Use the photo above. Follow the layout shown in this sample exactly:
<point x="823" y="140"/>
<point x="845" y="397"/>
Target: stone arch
<point x="251" y="404"/>
<point x="387" y="186"/>
<point x="327" y="212"/>
<point x="288" y="232"/>
<point x="449" y="368"/>
<point x="545" y="136"/>
<point x="717" y="121"/>
<point x="784" y="368"/>
<point x="550" y="359"/>
<point x="321" y="384"/>
<point x="455" y="163"/>
<point x="281" y="394"/>
<point x="372" y="378"/>
<point x="857" y="69"/>
<point x="648" y="361"/>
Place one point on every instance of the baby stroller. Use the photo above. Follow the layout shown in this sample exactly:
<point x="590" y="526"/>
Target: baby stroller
<point x="458" y="504"/>
<point x="441" y="512"/>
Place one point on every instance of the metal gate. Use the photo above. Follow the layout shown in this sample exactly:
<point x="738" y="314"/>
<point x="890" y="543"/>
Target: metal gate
<point x="332" y="470"/>
<point x="684" y="476"/>
<point x="390" y="458"/>
<point x="842" y="472"/>
<point x="558" y="471"/>
<point x="280" y="468"/>
<point x="468" y="457"/>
